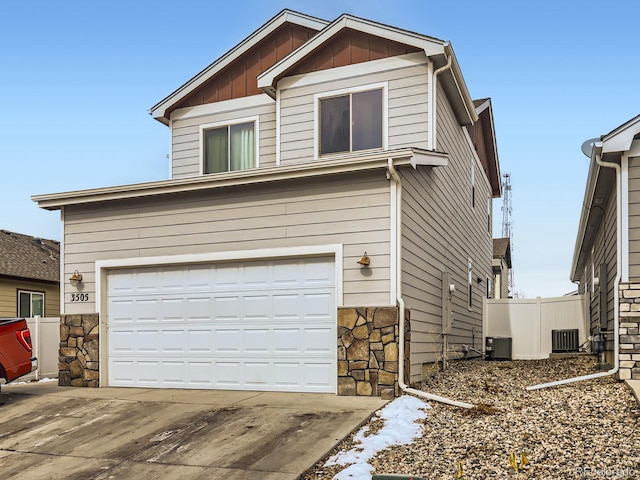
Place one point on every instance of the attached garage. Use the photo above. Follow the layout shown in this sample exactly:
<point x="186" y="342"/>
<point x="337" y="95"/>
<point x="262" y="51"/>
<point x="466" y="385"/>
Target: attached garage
<point x="253" y="325"/>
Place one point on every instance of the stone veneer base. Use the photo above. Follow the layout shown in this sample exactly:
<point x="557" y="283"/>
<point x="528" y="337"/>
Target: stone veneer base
<point x="79" y="356"/>
<point x="368" y="351"/>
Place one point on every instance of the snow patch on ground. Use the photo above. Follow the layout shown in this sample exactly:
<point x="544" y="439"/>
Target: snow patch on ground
<point x="399" y="428"/>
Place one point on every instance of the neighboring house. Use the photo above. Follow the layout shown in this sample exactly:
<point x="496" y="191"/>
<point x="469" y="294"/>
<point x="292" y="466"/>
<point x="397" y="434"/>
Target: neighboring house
<point x="501" y="265"/>
<point x="328" y="180"/>
<point x="606" y="259"/>
<point x="29" y="276"/>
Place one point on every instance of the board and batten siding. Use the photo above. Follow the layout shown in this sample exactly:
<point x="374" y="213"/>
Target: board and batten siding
<point x="634" y="218"/>
<point x="185" y="135"/>
<point x="334" y="210"/>
<point x="440" y="232"/>
<point x="407" y="108"/>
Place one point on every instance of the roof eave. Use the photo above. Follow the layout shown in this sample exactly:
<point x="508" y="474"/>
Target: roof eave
<point x="346" y="164"/>
<point x="159" y="110"/>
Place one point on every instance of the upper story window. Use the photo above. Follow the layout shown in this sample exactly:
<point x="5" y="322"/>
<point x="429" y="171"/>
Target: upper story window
<point x="229" y="147"/>
<point x="351" y="120"/>
<point x="30" y="304"/>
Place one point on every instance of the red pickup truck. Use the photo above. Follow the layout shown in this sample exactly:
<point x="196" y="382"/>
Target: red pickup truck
<point x="15" y="349"/>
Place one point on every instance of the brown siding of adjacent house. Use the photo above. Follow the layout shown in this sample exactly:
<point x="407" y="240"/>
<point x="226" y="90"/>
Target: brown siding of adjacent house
<point x="440" y="231"/>
<point x="239" y="79"/>
<point x="9" y="296"/>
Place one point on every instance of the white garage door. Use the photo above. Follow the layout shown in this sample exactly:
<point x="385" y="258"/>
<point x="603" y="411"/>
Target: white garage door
<point x="268" y="325"/>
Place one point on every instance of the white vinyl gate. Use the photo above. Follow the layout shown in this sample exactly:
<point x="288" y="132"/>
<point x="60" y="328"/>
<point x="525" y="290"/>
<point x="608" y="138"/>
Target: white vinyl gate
<point x="267" y="325"/>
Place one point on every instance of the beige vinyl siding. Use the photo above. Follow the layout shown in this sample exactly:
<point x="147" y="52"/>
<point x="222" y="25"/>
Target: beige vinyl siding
<point x="9" y="296"/>
<point x="407" y="110"/>
<point x="337" y="210"/>
<point x="185" y="138"/>
<point x="440" y="231"/>
<point x="604" y="251"/>
<point x="634" y="218"/>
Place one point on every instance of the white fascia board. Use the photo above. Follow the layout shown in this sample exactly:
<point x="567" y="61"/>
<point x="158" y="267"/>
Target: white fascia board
<point x="461" y="85"/>
<point x="429" y="159"/>
<point x="621" y="138"/>
<point x="429" y="45"/>
<point x="592" y="177"/>
<point x="344" y="164"/>
<point x="224" y="106"/>
<point x="158" y="110"/>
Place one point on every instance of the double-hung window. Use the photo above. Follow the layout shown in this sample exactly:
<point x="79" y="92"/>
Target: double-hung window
<point x="351" y="121"/>
<point x="30" y="304"/>
<point x="229" y="147"/>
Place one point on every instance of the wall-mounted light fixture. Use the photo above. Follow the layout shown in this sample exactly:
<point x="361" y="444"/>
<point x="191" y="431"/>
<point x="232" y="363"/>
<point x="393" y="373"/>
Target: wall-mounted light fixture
<point x="365" y="260"/>
<point x="75" y="278"/>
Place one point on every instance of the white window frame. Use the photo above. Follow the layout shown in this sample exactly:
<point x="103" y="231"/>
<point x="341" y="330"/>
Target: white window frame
<point x="489" y="219"/>
<point x="31" y="293"/>
<point x="228" y="123"/>
<point x="489" y="287"/>
<point x="384" y="86"/>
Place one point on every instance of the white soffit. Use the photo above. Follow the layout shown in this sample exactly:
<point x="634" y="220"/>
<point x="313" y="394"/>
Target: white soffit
<point x="620" y="139"/>
<point x="286" y="16"/>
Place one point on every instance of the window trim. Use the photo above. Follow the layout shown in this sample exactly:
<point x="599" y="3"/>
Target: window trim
<point x="384" y="86"/>
<point x="473" y="185"/>
<point x="30" y="292"/>
<point x="228" y="123"/>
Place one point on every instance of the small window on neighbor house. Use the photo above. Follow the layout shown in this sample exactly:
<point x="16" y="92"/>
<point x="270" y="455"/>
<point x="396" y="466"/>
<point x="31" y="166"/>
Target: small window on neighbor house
<point x="229" y="147"/>
<point x="351" y="122"/>
<point x="489" y="287"/>
<point x="470" y="289"/>
<point x="489" y="216"/>
<point x="30" y="304"/>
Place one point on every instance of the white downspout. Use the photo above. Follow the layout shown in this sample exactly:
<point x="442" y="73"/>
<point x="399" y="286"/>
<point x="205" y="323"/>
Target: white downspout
<point x="434" y="86"/>
<point x="396" y="178"/>
<point x="616" y="284"/>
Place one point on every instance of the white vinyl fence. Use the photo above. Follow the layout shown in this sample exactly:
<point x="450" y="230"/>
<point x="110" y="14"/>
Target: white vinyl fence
<point x="529" y="322"/>
<point x="45" y="338"/>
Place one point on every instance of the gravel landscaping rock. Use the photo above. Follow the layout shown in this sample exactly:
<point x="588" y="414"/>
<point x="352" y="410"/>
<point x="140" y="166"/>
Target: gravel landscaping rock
<point x="587" y="429"/>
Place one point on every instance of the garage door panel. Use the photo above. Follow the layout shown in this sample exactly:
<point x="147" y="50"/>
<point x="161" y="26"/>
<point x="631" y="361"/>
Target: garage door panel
<point x="257" y="326"/>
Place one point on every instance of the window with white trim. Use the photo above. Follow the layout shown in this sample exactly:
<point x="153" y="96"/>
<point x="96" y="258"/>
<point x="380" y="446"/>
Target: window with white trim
<point x="351" y="121"/>
<point x="229" y="147"/>
<point x="30" y="304"/>
<point x="489" y="287"/>
<point x="489" y="204"/>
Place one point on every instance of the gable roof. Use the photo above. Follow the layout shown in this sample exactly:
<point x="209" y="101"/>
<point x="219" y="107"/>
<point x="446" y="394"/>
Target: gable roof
<point x="489" y="156"/>
<point x="23" y="256"/>
<point x="439" y="51"/>
<point x="161" y="110"/>
<point x="600" y="182"/>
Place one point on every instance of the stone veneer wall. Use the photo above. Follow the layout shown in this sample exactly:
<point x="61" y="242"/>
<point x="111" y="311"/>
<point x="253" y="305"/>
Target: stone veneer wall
<point x="79" y="360"/>
<point x="368" y="351"/>
<point x="629" y="348"/>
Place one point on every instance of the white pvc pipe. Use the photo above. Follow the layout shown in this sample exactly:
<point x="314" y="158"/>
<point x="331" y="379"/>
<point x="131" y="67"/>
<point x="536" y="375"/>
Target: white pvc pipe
<point x="616" y="284"/>
<point x="401" y="307"/>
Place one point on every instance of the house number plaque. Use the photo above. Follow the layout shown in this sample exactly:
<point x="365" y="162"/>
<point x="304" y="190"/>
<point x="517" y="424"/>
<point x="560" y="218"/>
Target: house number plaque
<point x="79" y="297"/>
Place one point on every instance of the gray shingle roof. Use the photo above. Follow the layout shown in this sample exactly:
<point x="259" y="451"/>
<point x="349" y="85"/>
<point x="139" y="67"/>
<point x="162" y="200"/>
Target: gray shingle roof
<point x="23" y="256"/>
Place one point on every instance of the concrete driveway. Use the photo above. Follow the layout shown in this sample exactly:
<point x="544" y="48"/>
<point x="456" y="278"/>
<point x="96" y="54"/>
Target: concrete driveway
<point x="50" y="432"/>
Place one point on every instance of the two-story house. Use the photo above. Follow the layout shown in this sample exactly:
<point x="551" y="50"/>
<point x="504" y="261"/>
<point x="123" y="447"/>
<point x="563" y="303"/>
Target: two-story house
<point x="326" y="227"/>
